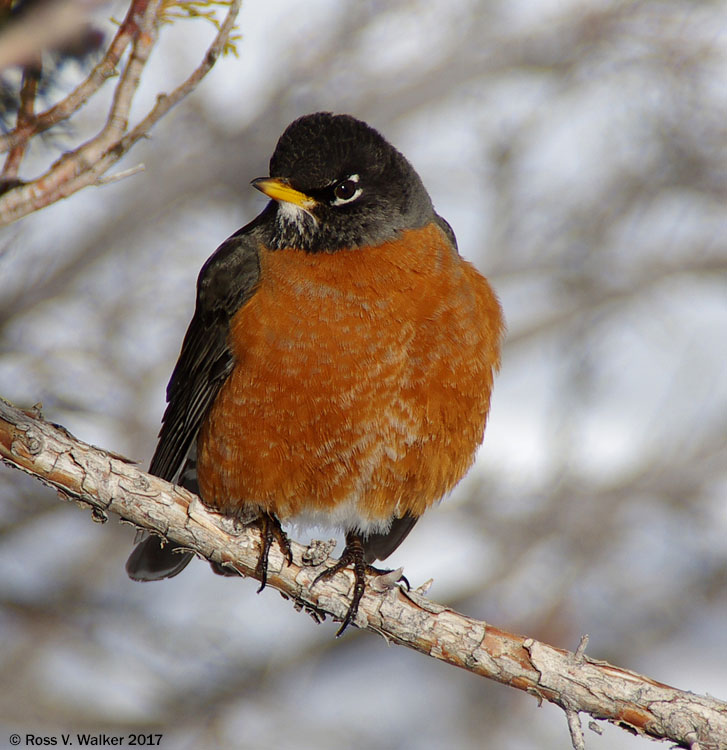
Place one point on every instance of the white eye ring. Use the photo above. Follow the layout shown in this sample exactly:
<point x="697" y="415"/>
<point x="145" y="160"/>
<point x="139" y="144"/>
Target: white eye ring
<point x="346" y="191"/>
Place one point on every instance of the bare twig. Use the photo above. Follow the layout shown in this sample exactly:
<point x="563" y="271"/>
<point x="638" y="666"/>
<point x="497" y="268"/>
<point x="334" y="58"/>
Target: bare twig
<point x="88" y="162"/>
<point x="108" y="483"/>
<point x="575" y="729"/>
<point x="122" y="175"/>
<point x="580" y="652"/>
<point x="31" y="76"/>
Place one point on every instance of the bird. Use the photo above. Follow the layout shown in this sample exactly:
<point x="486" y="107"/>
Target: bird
<point x="339" y="364"/>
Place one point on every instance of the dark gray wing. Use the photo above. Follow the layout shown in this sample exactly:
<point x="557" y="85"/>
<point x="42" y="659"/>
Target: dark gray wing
<point x="380" y="546"/>
<point x="226" y="282"/>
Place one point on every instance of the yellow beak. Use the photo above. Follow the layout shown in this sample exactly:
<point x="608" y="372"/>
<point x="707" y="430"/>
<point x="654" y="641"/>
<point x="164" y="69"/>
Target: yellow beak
<point x="278" y="189"/>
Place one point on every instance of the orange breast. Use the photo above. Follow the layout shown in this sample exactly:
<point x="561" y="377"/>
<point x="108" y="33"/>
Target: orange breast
<point x="362" y="384"/>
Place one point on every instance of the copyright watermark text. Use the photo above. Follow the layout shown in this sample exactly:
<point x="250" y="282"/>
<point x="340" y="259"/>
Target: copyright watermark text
<point x="83" y="739"/>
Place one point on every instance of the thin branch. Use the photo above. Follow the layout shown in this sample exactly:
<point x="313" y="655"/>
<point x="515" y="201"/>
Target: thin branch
<point x="576" y="730"/>
<point x="28" y="91"/>
<point x="118" y="118"/>
<point x="91" y="160"/>
<point x="109" y="483"/>
<point x="122" y="175"/>
<point x="166" y="101"/>
<point x="581" y="650"/>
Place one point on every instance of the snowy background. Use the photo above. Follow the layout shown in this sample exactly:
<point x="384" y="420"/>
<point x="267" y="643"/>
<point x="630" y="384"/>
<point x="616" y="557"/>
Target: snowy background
<point x="579" y="150"/>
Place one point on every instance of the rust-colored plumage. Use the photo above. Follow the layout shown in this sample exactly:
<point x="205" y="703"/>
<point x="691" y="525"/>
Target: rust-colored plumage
<point x="363" y="383"/>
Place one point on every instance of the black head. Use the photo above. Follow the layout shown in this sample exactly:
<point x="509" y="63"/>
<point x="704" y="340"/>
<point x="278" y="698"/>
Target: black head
<point x="338" y="184"/>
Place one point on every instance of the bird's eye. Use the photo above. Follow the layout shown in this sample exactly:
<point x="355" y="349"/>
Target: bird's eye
<point x="346" y="191"/>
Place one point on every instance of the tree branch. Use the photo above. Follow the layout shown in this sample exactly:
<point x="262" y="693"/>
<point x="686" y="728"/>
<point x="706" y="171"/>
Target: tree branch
<point x="86" y="164"/>
<point x="28" y="91"/>
<point x="107" y="482"/>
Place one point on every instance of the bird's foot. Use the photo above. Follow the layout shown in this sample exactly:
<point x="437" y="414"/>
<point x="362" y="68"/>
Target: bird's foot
<point x="270" y="530"/>
<point x="353" y="555"/>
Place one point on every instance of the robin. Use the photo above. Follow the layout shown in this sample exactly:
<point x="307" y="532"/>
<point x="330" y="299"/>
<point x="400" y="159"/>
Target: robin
<point x="339" y="364"/>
